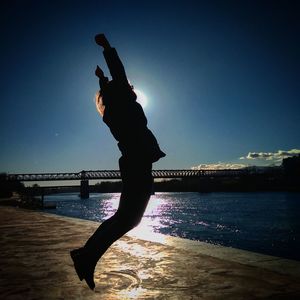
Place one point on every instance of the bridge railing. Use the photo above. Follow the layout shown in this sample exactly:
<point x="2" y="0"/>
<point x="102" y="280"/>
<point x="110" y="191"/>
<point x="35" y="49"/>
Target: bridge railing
<point x="115" y="174"/>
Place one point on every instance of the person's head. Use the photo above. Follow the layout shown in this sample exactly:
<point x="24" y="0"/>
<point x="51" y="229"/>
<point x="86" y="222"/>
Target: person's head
<point x="113" y="93"/>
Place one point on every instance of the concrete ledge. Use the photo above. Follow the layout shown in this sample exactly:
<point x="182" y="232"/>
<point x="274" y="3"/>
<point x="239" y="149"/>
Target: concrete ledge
<point x="35" y="264"/>
<point x="273" y="263"/>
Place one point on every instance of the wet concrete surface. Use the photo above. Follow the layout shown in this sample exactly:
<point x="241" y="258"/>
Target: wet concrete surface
<point x="35" y="264"/>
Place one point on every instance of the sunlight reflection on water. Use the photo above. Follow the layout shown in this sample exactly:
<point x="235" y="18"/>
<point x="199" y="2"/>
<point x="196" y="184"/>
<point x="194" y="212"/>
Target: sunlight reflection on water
<point x="230" y="219"/>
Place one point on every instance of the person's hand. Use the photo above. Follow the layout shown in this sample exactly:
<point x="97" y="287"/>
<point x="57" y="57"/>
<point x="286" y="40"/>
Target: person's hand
<point x="102" y="41"/>
<point x="99" y="73"/>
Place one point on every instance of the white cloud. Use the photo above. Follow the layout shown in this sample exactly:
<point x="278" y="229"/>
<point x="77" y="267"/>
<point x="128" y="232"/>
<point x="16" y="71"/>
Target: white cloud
<point x="274" y="156"/>
<point x="219" y="166"/>
<point x="273" y="159"/>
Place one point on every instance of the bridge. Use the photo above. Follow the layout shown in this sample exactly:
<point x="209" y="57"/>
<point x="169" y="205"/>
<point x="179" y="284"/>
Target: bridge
<point x="115" y="174"/>
<point x="85" y="176"/>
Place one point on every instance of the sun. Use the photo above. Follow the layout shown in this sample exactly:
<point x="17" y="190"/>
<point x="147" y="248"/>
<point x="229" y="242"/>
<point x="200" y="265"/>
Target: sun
<point x="141" y="98"/>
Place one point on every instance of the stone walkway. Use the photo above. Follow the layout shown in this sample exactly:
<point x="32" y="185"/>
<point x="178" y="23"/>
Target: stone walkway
<point x="35" y="264"/>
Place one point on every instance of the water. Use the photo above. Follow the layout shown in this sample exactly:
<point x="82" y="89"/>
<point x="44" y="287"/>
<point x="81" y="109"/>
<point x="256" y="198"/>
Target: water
<point x="266" y="222"/>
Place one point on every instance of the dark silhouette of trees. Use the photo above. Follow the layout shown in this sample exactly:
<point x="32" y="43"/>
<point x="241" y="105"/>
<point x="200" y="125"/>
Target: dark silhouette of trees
<point x="291" y="166"/>
<point x="7" y="187"/>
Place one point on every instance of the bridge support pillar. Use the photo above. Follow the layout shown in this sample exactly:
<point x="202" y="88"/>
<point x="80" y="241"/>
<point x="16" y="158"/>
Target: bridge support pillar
<point x="84" y="189"/>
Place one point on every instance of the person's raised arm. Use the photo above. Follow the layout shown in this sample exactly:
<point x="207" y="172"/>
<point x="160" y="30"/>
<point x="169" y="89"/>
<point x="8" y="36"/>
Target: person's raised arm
<point x="112" y="59"/>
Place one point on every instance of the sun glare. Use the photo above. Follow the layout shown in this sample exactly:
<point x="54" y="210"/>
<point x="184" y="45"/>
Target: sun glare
<point x="141" y="98"/>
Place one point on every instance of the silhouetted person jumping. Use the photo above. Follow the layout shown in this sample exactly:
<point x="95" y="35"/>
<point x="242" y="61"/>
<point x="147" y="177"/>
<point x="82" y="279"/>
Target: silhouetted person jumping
<point x="116" y="102"/>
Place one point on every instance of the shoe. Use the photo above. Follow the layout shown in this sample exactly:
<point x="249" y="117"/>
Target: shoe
<point x="83" y="266"/>
<point x="76" y="257"/>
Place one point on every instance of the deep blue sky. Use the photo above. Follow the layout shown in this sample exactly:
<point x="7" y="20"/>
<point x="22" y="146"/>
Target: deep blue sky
<point x="221" y="77"/>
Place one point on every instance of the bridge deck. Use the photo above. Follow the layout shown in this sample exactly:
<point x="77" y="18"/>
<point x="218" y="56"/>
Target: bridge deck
<point x="115" y="174"/>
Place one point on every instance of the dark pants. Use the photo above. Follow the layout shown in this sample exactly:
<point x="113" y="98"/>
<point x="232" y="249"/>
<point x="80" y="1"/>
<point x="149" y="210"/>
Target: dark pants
<point x="137" y="188"/>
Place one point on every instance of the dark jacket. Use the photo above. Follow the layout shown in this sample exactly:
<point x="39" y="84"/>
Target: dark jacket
<point x="124" y="116"/>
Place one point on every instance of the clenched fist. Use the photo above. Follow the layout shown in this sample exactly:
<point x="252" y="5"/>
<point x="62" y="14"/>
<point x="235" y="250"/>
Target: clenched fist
<point x="102" y="41"/>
